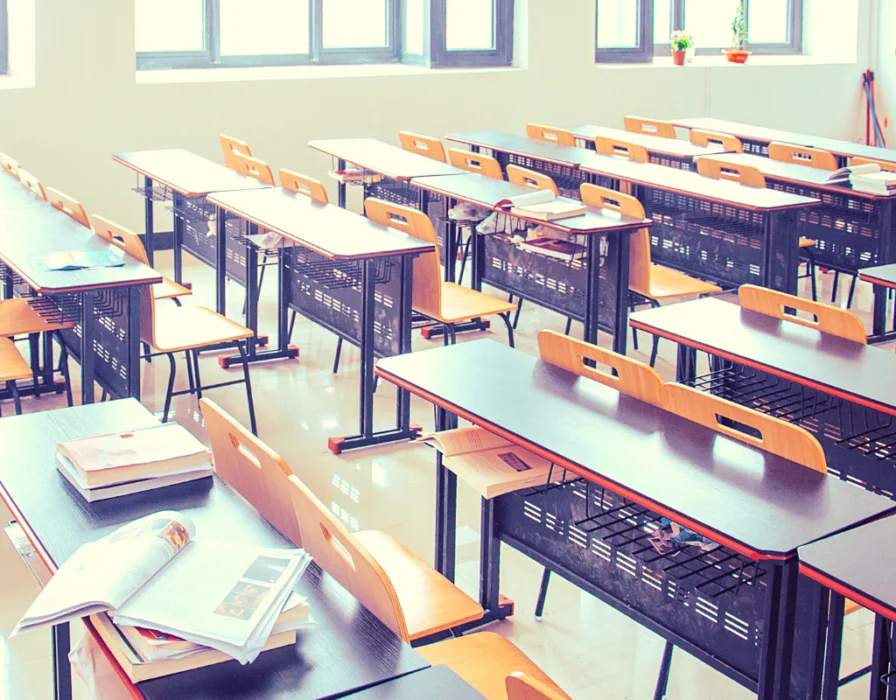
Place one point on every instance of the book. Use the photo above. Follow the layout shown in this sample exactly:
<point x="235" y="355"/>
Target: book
<point x="551" y="211"/>
<point x="120" y="458"/>
<point x="882" y="178"/>
<point x="853" y="170"/>
<point x="490" y="464"/>
<point x="527" y="199"/>
<point x="64" y="261"/>
<point x="555" y="248"/>
<point x="879" y="190"/>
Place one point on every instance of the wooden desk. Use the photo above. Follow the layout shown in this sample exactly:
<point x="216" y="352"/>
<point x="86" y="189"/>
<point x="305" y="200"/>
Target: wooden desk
<point x="673" y="153"/>
<point x="713" y="229"/>
<point x="638" y="464"/>
<point x="883" y="278"/>
<point x="14" y="195"/>
<point x="104" y="302"/>
<point x="593" y="290"/>
<point x="433" y="683"/>
<point x="347" y="650"/>
<point x="345" y="273"/>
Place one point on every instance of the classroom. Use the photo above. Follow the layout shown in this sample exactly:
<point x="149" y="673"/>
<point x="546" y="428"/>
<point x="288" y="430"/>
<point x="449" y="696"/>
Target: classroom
<point x="447" y="349"/>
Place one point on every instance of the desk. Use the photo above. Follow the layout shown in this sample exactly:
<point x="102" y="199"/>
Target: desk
<point x="347" y="650"/>
<point x="433" y="683"/>
<point x="348" y="274"/>
<point x="637" y="464"/>
<point x="104" y="302"/>
<point x="714" y="229"/>
<point x="883" y="278"/>
<point x="673" y="153"/>
<point x="14" y="195"/>
<point x="593" y="290"/>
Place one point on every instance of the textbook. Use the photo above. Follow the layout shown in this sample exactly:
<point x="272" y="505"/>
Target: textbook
<point x="554" y="248"/>
<point x="64" y="261"/>
<point x="543" y="205"/>
<point x="490" y="464"/>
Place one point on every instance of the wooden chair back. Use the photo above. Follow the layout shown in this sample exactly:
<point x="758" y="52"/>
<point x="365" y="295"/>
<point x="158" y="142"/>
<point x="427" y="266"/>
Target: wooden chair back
<point x="308" y="186"/>
<point x="9" y="165"/>
<point x="621" y="149"/>
<point x="32" y="183"/>
<point x="639" y="251"/>
<point x="254" y="168"/>
<point x="719" y="170"/>
<point x="522" y="687"/>
<point x="830" y="319"/>
<point x="699" y="137"/>
<point x="884" y="165"/>
<point x="650" y="127"/>
<point x="562" y="137"/>
<point x="801" y="155"/>
<point x="232" y="146"/>
<point x="531" y="179"/>
<point x="475" y="163"/>
<point x="427" y="291"/>
<point x="424" y="145"/>
<point x="629" y="377"/>
<point x="70" y="206"/>
<point x="784" y="439"/>
<point x="252" y="469"/>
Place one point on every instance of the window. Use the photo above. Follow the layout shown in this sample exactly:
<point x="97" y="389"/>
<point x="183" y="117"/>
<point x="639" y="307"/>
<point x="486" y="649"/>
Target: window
<point x="4" y="39"/>
<point x="227" y="33"/>
<point x="637" y="30"/>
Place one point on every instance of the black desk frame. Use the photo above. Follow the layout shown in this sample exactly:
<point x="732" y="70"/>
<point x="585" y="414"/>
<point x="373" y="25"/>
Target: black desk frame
<point x="667" y="160"/>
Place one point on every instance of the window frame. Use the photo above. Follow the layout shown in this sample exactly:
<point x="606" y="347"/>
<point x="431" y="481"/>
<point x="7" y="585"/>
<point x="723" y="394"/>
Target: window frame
<point x="643" y="52"/>
<point x="4" y="38"/>
<point x="501" y="55"/>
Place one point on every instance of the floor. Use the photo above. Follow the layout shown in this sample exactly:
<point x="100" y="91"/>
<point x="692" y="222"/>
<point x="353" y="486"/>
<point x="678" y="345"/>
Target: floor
<point x="591" y="650"/>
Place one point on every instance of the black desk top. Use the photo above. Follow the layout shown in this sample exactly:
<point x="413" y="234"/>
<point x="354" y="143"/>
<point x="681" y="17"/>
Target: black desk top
<point x="14" y="195"/>
<point x="433" y="683"/>
<point x="185" y="172"/>
<point x="488" y="192"/>
<point x="653" y="144"/>
<point x="522" y="145"/>
<point x="391" y="161"/>
<point x="859" y="564"/>
<point x="693" y="184"/>
<point x="347" y="650"/>
<point x="333" y="232"/>
<point x="757" y="503"/>
<point x="864" y="374"/>
<point x="26" y="233"/>
<point x="747" y="131"/>
<point x="884" y="275"/>
<point x="848" y="149"/>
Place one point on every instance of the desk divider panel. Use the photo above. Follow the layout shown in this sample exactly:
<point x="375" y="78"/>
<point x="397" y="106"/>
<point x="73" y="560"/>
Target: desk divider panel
<point x="568" y="178"/>
<point x="664" y="159"/>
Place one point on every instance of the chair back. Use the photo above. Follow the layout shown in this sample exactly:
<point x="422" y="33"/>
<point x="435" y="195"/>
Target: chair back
<point x="531" y="179"/>
<point x="9" y="165"/>
<point x="699" y="137"/>
<point x="830" y="319"/>
<point x="629" y="377"/>
<point x="475" y="163"/>
<point x="622" y="149"/>
<point x="308" y="186"/>
<point x="650" y="127"/>
<point x="639" y="250"/>
<point x="736" y="172"/>
<point x="784" y="439"/>
<point x="427" y="292"/>
<point x="254" y="168"/>
<point x="32" y="183"/>
<point x="423" y="145"/>
<point x="801" y="155"/>
<point x="252" y="469"/>
<point x="522" y="687"/>
<point x="562" y="137"/>
<point x="232" y="146"/>
<point x="70" y="206"/>
<point x="884" y="165"/>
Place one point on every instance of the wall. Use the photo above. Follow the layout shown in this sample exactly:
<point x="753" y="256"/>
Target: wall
<point x="87" y="102"/>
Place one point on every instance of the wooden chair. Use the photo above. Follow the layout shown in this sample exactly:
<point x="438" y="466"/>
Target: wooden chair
<point x="301" y="184"/>
<point x="699" y="137"/>
<point x="882" y="164"/>
<point x="172" y="329"/>
<point x="829" y="319"/>
<point x="13" y="367"/>
<point x="424" y="145"/>
<point x="66" y="204"/>
<point x="650" y="127"/>
<point x="531" y="179"/>
<point x="648" y="283"/>
<point x="32" y="183"/>
<point x="252" y="167"/>
<point x="801" y="155"/>
<point x="231" y="147"/>
<point x="521" y="687"/>
<point x="475" y="163"/>
<point x="9" y="165"/>
<point x="562" y="137"/>
<point x="621" y="149"/>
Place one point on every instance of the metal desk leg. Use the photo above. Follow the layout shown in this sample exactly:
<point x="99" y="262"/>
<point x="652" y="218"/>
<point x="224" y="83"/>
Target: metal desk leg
<point x="450" y="243"/>
<point x="148" y="239"/>
<point x="340" y="188"/>
<point x="879" y="310"/>
<point x="221" y="262"/>
<point x="622" y="245"/>
<point x="178" y="237"/>
<point x="686" y="370"/>
<point x="86" y="349"/>
<point x="817" y="634"/>
<point x="251" y="292"/>
<point x="592" y="293"/>
<point x="496" y="606"/>
<point x="62" y="669"/>
<point x="833" y="645"/>
<point x="880" y="660"/>
<point x="446" y="503"/>
<point x="777" y="649"/>
<point x="132" y="361"/>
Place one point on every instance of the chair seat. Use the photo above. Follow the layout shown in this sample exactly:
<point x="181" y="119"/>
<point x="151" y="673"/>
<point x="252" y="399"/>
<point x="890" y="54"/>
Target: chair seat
<point x="462" y="303"/>
<point x="484" y="660"/>
<point x="169" y="289"/>
<point x="18" y="317"/>
<point x="429" y="601"/>
<point x="666" y="283"/>
<point x="14" y="366"/>
<point x="187" y="327"/>
<point x="807" y="242"/>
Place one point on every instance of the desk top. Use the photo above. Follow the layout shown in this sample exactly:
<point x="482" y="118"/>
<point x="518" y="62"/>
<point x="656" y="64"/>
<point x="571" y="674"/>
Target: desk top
<point x="346" y="650"/>
<point x="185" y="172"/>
<point x="694" y="184"/>
<point x="759" y="504"/>
<point x="14" y="195"/>
<point x="333" y="232"/>
<point x="523" y="146"/>
<point x="863" y="374"/>
<point x="747" y="131"/>
<point x="28" y="234"/>
<point x="859" y="564"/>
<point x="654" y="144"/>
<point x="883" y="275"/>
<point x="488" y="192"/>
<point x="433" y="683"/>
<point x="390" y="161"/>
<point x="848" y="149"/>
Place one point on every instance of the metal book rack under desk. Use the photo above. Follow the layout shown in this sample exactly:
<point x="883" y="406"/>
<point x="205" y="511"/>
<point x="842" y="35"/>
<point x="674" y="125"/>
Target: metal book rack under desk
<point x="568" y="178"/>
<point x="665" y="159"/>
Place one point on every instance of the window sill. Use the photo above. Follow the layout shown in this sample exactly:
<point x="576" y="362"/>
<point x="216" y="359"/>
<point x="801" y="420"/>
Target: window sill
<point x="721" y="62"/>
<point x="16" y="82"/>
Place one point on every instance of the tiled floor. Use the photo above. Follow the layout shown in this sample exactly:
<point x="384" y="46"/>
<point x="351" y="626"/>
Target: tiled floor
<point x="590" y="649"/>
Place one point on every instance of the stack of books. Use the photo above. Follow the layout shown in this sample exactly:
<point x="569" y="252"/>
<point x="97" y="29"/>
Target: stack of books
<point x="542" y="205"/>
<point x="879" y="182"/>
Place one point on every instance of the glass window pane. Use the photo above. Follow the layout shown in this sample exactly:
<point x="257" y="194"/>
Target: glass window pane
<point x="618" y="25"/>
<point x="662" y="21"/>
<point x="351" y="24"/>
<point x="169" y="25"/>
<point x="413" y="27"/>
<point x="264" y="27"/>
<point x="768" y="21"/>
<point x="709" y="22"/>
<point x="469" y="25"/>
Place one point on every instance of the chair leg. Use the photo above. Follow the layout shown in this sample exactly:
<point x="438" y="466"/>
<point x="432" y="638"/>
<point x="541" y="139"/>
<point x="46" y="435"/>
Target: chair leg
<point x="104" y="396"/>
<point x="834" y="288"/>
<point x="852" y="291"/>
<point x="516" y="316"/>
<point x="195" y="355"/>
<point x="190" y="379"/>
<point x="338" y="355"/>
<point x="631" y="309"/>
<point x="34" y="349"/>
<point x="510" y="326"/>
<point x="168" y="394"/>
<point x="568" y="326"/>
<point x="655" y="350"/>
<point x="542" y="593"/>
<point x="249" y="399"/>
<point x="446" y="336"/>
<point x="662" y="681"/>
<point x="292" y="324"/>
<point x="810" y="265"/>
<point x="16" y="399"/>
<point x="63" y="367"/>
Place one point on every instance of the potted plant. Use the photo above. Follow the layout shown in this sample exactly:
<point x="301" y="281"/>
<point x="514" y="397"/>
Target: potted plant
<point x="737" y="54"/>
<point x="680" y="43"/>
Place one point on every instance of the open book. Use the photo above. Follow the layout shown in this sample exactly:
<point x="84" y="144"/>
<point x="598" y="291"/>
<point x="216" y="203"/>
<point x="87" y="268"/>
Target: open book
<point x="850" y="170"/>
<point x="543" y="205"/>
<point x="67" y="260"/>
<point x="490" y="464"/>
<point x="154" y="573"/>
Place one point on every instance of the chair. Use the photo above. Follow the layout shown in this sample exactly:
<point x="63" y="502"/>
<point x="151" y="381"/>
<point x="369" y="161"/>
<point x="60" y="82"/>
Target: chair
<point x="531" y="179"/>
<point x="13" y="366"/>
<point x="521" y="687"/>
<point x="301" y="184"/>
<point x="70" y="206"/>
<point x="475" y="163"/>
<point x="252" y="167"/>
<point x="801" y="155"/>
<point x="647" y="283"/>
<point x="231" y="147"/>
<point x="699" y="137"/>
<point x="446" y="303"/>
<point x="9" y="165"/>
<point x="650" y="127"/>
<point x="882" y="164"/>
<point x="621" y="149"/>
<point x="423" y="145"/>
<point x="32" y="183"/>
<point x="562" y="137"/>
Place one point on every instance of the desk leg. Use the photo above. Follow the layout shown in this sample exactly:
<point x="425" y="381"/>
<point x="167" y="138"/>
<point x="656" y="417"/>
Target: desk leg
<point x="62" y="669"/>
<point x="833" y="646"/>
<point x="450" y="243"/>
<point x="446" y="503"/>
<point x="340" y="188"/>
<point x="178" y="237"/>
<point x="880" y="660"/>
<point x="251" y="291"/>
<point x="221" y="262"/>
<point x="777" y="648"/>
<point x="879" y="310"/>
<point x="86" y="349"/>
<point x="133" y="346"/>
<point x="592" y="293"/>
<point x="686" y="370"/>
<point x="820" y="602"/>
<point x="148" y="238"/>
<point x="489" y="557"/>
<point x="622" y="244"/>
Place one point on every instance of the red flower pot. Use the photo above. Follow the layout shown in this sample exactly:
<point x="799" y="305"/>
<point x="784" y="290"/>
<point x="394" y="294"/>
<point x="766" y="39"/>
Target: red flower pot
<point x="678" y="57"/>
<point x="736" y="55"/>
